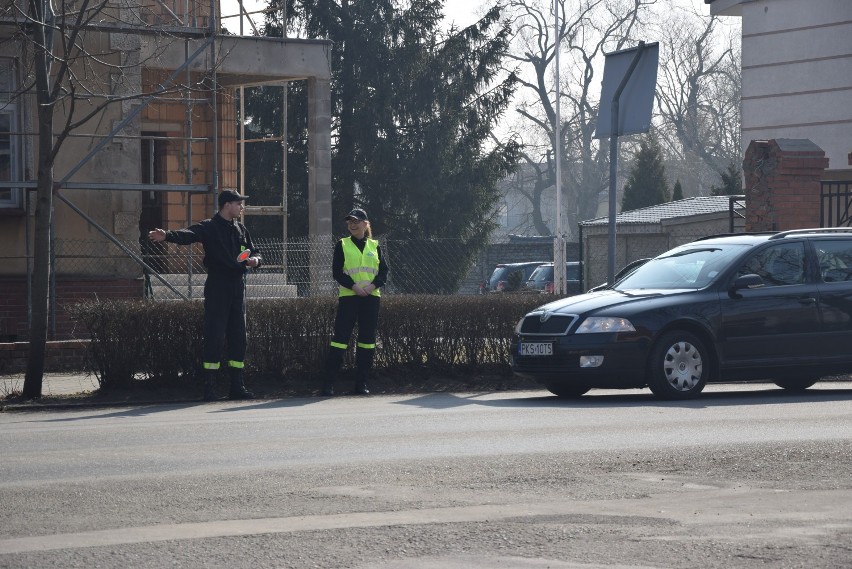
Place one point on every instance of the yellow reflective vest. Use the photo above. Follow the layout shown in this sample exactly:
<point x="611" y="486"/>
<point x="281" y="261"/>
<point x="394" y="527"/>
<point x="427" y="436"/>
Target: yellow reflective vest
<point x="361" y="266"/>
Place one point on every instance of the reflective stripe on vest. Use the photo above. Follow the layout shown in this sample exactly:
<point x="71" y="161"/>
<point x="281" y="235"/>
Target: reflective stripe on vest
<point x="361" y="266"/>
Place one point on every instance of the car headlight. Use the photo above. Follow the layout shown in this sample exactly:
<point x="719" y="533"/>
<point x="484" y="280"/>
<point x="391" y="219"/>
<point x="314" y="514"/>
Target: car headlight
<point x="597" y="324"/>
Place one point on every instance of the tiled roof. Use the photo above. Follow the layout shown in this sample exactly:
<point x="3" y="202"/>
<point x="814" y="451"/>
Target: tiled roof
<point x="656" y="213"/>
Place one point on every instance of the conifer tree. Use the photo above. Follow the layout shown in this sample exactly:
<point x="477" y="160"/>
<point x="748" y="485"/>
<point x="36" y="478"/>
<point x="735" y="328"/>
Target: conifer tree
<point x="413" y="110"/>
<point x="677" y="191"/>
<point x="732" y="184"/>
<point x="647" y="184"/>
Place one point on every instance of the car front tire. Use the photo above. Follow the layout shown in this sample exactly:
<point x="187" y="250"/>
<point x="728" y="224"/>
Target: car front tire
<point x="679" y="366"/>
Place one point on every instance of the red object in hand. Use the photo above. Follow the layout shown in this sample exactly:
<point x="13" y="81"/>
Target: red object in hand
<point x="243" y="256"/>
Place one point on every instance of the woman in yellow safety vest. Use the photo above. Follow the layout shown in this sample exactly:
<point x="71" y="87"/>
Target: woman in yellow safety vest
<point x="361" y="270"/>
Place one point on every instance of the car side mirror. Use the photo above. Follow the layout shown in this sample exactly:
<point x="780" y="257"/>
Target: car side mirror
<point x="745" y="281"/>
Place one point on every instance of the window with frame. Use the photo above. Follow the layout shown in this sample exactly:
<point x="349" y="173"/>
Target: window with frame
<point x="10" y="147"/>
<point x="778" y="265"/>
<point x="835" y="260"/>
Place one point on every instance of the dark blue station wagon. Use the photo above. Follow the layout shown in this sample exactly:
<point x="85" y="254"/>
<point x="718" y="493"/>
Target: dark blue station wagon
<point x="772" y="307"/>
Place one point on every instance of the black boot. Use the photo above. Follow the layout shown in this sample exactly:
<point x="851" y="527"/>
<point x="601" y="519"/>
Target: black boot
<point x="209" y="376"/>
<point x="332" y="366"/>
<point x="238" y="389"/>
<point x="361" y="382"/>
<point x="363" y="365"/>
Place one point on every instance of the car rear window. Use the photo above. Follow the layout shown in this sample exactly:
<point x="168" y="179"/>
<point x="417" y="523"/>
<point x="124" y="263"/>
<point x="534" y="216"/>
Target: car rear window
<point x="542" y="275"/>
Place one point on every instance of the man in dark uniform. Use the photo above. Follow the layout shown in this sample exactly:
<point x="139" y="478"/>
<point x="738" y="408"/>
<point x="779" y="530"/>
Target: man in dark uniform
<point x="225" y="242"/>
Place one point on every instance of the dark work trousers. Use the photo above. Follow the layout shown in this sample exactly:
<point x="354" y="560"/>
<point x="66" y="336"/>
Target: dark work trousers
<point x="363" y="310"/>
<point x="224" y="317"/>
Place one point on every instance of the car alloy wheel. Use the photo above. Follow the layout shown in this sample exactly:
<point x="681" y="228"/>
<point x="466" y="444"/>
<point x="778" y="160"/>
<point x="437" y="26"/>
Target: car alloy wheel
<point x="678" y="366"/>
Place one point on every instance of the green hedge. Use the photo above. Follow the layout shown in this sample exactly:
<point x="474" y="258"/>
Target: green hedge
<point x="133" y="340"/>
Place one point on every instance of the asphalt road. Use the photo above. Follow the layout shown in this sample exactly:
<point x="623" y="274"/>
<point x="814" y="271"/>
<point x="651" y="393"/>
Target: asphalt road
<point x="745" y="476"/>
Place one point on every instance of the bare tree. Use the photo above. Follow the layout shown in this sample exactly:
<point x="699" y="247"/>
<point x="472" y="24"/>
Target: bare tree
<point x="533" y="178"/>
<point x="698" y="98"/>
<point x="76" y="64"/>
<point x="587" y="30"/>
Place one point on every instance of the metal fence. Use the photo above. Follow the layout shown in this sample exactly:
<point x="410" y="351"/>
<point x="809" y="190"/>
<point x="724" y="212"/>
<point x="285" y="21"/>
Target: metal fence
<point x="302" y="267"/>
<point x="437" y="266"/>
<point x="836" y="203"/>
<point x="88" y="269"/>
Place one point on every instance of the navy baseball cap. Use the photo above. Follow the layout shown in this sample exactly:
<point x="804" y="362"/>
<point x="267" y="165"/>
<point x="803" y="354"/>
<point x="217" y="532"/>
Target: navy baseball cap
<point x="358" y="214"/>
<point x="230" y="196"/>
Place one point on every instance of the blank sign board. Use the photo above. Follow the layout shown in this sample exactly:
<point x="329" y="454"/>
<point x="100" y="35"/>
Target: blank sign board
<point x="637" y="98"/>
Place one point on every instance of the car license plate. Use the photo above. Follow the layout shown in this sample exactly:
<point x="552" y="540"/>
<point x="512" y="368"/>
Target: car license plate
<point x="535" y="349"/>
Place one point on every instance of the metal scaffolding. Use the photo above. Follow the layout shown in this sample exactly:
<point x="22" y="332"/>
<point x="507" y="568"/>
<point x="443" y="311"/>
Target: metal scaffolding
<point x="179" y="38"/>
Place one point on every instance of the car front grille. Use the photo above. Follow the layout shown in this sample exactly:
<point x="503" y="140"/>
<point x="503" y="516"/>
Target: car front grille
<point x="544" y="365"/>
<point x="547" y="324"/>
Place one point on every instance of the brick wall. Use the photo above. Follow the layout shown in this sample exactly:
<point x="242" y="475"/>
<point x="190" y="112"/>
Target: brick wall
<point x="13" y="303"/>
<point x="167" y="117"/>
<point x="65" y="355"/>
<point x="782" y="180"/>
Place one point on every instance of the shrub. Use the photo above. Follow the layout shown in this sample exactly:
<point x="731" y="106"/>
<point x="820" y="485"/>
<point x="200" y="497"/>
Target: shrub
<point x="133" y="340"/>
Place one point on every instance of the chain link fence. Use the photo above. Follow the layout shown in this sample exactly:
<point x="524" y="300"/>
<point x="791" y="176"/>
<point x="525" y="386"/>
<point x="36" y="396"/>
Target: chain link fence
<point x="303" y="266"/>
<point x="92" y="270"/>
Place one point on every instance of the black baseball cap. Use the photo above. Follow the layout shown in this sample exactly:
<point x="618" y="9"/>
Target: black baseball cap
<point x="230" y="196"/>
<point x="358" y="214"/>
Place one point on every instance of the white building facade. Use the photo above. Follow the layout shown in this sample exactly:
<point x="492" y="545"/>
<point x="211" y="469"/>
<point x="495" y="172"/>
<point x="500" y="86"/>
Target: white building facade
<point x="796" y="72"/>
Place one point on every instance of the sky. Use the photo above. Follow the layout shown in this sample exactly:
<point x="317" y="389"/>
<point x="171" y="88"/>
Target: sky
<point x="461" y="12"/>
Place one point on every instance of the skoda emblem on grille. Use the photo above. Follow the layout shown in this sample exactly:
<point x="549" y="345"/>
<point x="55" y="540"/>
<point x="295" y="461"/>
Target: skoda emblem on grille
<point x="545" y="316"/>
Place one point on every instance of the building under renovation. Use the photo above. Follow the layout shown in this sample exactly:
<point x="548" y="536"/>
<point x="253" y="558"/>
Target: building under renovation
<point x="150" y="108"/>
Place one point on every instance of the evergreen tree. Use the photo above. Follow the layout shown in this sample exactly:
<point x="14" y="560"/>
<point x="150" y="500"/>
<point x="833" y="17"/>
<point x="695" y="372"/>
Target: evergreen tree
<point x="647" y="184"/>
<point x="732" y="184"/>
<point x="413" y="109"/>
<point x="677" y="191"/>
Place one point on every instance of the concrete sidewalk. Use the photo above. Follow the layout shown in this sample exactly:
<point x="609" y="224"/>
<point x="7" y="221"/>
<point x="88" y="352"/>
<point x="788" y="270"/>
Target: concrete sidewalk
<point x="55" y="383"/>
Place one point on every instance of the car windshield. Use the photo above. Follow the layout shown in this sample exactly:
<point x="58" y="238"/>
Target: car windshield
<point x="691" y="266"/>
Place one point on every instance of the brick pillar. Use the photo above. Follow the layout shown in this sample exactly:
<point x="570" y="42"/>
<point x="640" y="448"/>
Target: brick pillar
<point x="782" y="181"/>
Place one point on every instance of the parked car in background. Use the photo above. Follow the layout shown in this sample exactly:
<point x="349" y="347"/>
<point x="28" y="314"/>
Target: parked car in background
<point x="625" y="270"/>
<point x="766" y="306"/>
<point x="541" y="279"/>
<point x="509" y="277"/>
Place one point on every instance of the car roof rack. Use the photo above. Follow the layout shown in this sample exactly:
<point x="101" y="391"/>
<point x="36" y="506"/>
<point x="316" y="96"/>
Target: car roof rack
<point x="741" y="233"/>
<point x="795" y="232"/>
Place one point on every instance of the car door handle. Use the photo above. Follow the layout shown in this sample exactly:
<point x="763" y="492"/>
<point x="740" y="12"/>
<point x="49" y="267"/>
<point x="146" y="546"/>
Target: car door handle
<point x="807" y="300"/>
